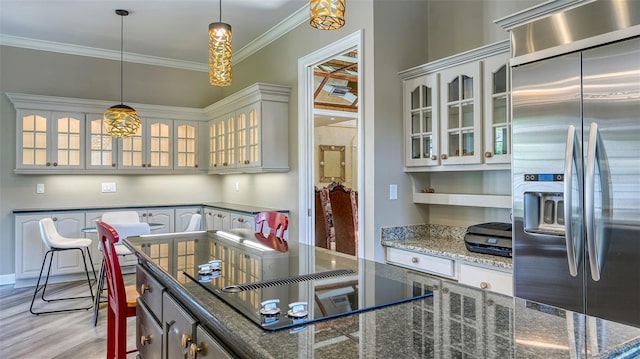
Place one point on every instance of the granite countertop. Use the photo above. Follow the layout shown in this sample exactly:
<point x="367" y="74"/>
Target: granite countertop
<point x="443" y="241"/>
<point x="456" y="321"/>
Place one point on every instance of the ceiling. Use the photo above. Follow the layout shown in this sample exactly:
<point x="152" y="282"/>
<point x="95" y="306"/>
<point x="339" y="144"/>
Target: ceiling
<point x="156" y="30"/>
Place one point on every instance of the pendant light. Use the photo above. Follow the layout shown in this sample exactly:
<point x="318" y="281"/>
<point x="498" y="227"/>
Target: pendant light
<point x="121" y="120"/>
<point x="220" y="52"/>
<point x="327" y="14"/>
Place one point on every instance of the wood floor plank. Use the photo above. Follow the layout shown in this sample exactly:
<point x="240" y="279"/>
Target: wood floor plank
<point x="54" y="336"/>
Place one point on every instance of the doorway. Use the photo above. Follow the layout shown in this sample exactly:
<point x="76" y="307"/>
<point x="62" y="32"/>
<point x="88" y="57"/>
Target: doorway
<point x="330" y="132"/>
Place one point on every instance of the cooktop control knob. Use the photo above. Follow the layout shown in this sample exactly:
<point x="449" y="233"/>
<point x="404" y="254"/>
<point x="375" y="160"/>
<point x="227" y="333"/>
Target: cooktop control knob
<point x="270" y="307"/>
<point x="298" y="310"/>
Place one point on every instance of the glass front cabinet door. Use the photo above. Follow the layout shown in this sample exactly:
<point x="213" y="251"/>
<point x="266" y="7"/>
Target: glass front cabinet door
<point x="421" y="121"/>
<point x="102" y="148"/>
<point x="149" y="148"/>
<point x="185" y="145"/>
<point x="50" y="140"/>
<point x="497" y="117"/>
<point x="461" y="114"/>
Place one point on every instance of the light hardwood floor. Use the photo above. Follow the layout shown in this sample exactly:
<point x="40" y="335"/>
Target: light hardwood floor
<point x="61" y="335"/>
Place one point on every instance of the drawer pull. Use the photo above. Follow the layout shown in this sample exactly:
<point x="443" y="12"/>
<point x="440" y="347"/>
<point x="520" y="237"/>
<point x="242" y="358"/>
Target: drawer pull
<point x="194" y="349"/>
<point x="434" y="157"/>
<point x="145" y="339"/>
<point x="144" y="288"/>
<point x="186" y="340"/>
<point x="414" y="260"/>
<point x="484" y="285"/>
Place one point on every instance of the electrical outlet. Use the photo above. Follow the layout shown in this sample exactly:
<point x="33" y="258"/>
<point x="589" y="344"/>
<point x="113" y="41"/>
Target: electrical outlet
<point x="40" y="188"/>
<point x="108" y="187"/>
<point x="393" y="191"/>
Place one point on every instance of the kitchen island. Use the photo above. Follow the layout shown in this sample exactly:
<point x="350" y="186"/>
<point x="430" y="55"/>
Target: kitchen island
<point x="456" y="321"/>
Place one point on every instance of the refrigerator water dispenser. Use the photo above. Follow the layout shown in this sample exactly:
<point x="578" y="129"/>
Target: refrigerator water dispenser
<point x="544" y="213"/>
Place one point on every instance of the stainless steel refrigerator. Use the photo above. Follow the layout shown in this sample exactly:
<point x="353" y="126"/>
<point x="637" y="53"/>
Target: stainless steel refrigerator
<point x="576" y="166"/>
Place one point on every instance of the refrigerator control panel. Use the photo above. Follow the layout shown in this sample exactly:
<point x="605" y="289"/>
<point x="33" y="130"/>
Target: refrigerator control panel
<point x="543" y="177"/>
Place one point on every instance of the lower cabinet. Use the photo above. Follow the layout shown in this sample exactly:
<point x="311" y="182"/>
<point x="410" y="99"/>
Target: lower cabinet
<point x="165" y="329"/>
<point x="482" y="277"/>
<point x="30" y="248"/>
<point x="149" y="336"/>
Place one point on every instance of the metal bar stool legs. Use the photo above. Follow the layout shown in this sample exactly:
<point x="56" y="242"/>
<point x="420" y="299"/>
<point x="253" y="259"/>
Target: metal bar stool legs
<point x="98" y="295"/>
<point x="43" y="288"/>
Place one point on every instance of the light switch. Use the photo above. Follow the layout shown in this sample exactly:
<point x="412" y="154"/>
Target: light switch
<point x="40" y="188"/>
<point x="393" y="191"/>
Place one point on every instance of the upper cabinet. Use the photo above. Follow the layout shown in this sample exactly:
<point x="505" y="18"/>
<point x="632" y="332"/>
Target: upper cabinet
<point x="456" y="112"/>
<point x="66" y="135"/>
<point x="248" y="131"/>
<point x="50" y="140"/>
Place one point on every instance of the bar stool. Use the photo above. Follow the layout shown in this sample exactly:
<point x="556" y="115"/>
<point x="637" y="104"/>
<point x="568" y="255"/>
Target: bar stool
<point x="57" y="243"/>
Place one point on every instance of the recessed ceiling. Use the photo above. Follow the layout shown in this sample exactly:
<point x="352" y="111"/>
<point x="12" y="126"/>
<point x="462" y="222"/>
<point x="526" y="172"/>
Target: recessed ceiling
<point x="171" y="29"/>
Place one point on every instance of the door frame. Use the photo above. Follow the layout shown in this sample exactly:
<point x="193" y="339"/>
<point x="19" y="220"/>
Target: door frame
<point x="306" y="145"/>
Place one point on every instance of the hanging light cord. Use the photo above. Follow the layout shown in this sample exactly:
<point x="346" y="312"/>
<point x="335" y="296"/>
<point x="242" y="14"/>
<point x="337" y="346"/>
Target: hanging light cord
<point x="121" y="57"/>
<point x="220" y="3"/>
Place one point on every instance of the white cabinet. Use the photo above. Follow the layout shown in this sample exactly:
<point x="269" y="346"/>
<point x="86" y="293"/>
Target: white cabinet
<point x="216" y="219"/>
<point x="248" y="131"/>
<point x="30" y="249"/>
<point x="242" y="221"/>
<point x="102" y="148"/>
<point x="149" y="148"/>
<point x="461" y="117"/>
<point x="66" y="135"/>
<point x="423" y="262"/>
<point x="497" y="113"/>
<point x="183" y="217"/>
<point x="158" y="215"/>
<point x="50" y="140"/>
<point x="486" y="278"/>
<point x="185" y="145"/>
<point x="421" y="122"/>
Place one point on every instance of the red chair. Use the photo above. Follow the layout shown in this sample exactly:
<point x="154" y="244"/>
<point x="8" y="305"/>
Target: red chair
<point x="276" y="222"/>
<point x="121" y="301"/>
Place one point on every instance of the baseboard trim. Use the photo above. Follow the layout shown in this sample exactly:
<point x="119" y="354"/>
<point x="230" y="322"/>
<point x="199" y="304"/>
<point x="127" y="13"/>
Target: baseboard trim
<point x="6" y="279"/>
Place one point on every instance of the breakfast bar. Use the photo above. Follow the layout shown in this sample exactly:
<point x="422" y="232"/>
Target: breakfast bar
<point x="446" y="318"/>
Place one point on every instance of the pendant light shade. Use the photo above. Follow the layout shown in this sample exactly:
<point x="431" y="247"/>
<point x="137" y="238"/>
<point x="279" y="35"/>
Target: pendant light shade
<point x="327" y="14"/>
<point x="121" y="120"/>
<point x="220" y="52"/>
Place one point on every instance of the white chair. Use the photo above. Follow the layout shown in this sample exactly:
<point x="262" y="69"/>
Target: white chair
<point x="127" y="224"/>
<point x="194" y="223"/>
<point x="57" y="243"/>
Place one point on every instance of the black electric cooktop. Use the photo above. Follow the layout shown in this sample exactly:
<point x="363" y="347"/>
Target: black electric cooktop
<point x="279" y="287"/>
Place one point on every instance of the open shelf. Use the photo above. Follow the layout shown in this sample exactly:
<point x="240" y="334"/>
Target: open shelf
<point x="457" y="199"/>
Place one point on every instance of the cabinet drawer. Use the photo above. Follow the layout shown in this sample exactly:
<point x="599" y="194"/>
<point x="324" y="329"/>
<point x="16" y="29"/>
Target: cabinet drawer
<point x="179" y="328"/>
<point x="148" y="333"/>
<point x="150" y="291"/>
<point x="484" y="278"/>
<point x="207" y="347"/>
<point x="422" y="262"/>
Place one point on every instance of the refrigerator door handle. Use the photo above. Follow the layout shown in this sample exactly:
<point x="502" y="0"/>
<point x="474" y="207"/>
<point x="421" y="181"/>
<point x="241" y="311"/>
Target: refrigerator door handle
<point x="571" y="151"/>
<point x="595" y="262"/>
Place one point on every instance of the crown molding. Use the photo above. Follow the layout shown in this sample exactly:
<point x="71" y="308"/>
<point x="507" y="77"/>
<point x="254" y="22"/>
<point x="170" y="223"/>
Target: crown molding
<point x="279" y="30"/>
<point x="283" y="27"/>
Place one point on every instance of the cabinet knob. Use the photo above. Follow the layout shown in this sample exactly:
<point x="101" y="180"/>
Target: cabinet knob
<point x="144" y="288"/>
<point x="185" y="340"/>
<point x="144" y="165"/>
<point x="113" y="165"/>
<point x="144" y="339"/>
<point x="414" y="259"/>
<point x="488" y="154"/>
<point x="434" y="157"/>
<point x="215" y="165"/>
<point x="54" y="219"/>
<point x="241" y="220"/>
<point x="55" y="164"/>
<point x="48" y="164"/>
<point x="148" y="164"/>
<point x="194" y="349"/>
<point x="144" y="215"/>
<point x="484" y="285"/>
<point x="196" y="166"/>
<point x="443" y="156"/>
<point x="246" y="162"/>
<point x="225" y="164"/>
